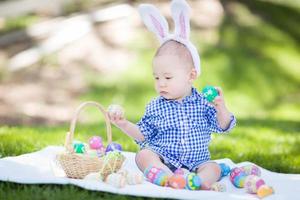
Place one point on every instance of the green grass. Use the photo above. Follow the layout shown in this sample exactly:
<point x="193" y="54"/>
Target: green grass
<point x="254" y="60"/>
<point x="65" y="192"/>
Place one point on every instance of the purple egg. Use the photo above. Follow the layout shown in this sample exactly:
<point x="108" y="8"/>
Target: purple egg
<point x="113" y="147"/>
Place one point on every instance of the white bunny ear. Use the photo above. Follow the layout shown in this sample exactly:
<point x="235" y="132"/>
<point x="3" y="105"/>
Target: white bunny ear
<point x="181" y="16"/>
<point x="154" y="21"/>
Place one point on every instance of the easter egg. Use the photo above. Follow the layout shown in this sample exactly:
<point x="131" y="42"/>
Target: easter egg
<point x="210" y="93"/>
<point x="193" y="181"/>
<point x="251" y="170"/>
<point x="264" y="191"/>
<point x="253" y="183"/>
<point x="134" y="178"/>
<point x="179" y="171"/>
<point x="234" y="172"/>
<point x="114" y="108"/>
<point x="100" y="152"/>
<point x="95" y="142"/>
<point x="113" y="147"/>
<point x="237" y="177"/>
<point x="123" y="172"/>
<point x="156" y="175"/>
<point x="95" y="176"/>
<point x="218" y="187"/>
<point x="116" y="180"/>
<point x="79" y="147"/>
<point x="225" y="169"/>
<point x="113" y="155"/>
<point x="177" y="181"/>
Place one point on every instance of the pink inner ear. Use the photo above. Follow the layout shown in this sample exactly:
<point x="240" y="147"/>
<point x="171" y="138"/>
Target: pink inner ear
<point x="182" y="26"/>
<point x="158" y="26"/>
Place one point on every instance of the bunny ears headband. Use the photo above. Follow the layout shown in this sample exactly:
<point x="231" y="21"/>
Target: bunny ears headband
<point x="156" y="23"/>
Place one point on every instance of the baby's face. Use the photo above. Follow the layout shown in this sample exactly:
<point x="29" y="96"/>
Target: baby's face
<point x="173" y="77"/>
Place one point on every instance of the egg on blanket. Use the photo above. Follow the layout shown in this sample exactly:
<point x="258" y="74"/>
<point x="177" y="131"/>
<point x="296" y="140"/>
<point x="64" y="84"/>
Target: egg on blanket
<point x="237" y="177"/>
<point x="156" y="175"/>
<point x="193" y="181"/>
<point x="134" y="178"/>
<point x="116" y="180"/>
<point x="179" y="171"/>
<point x="177" y="181"/>
<point x="123" y="172"/>
<point x="264" y="191"/>
<point x="225" y="169"/>
<point x="95" y="176"/>
<point x="218" y="187"/>
<point x="253" y="183"/>
<point x="251" y="170"/>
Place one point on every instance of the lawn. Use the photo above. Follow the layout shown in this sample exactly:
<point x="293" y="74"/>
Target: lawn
<point x="255" y="61"/>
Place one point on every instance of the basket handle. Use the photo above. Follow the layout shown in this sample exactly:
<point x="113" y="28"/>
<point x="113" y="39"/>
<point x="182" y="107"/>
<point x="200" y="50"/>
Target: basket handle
<point x="70" y="134"/>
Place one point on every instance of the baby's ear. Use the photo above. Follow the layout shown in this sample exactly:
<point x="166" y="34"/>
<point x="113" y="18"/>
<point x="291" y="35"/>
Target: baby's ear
<point x="154" y="21"/>
<point x="193" y="75"/>
<point x="180" y="13"/>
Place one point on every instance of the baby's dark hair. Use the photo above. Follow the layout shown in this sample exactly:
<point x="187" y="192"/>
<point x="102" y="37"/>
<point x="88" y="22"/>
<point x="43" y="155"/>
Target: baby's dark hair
<point x="173" y="47"/>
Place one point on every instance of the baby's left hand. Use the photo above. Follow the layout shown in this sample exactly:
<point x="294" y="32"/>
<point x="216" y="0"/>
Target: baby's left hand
<point x="219" y="102"/>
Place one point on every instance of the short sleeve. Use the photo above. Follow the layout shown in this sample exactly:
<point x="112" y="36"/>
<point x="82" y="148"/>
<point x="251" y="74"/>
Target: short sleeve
<point x="147" y="126"/>
<point x="213" y="121"/>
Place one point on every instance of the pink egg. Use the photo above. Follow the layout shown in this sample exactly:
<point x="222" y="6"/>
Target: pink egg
<point x="95" y="142"/>
<point x="179" y="171"/>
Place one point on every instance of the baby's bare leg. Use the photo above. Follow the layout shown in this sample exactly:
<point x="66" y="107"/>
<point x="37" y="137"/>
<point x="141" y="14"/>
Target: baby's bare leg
<point x="209" y="173"/>
<point x="146" y="158"/>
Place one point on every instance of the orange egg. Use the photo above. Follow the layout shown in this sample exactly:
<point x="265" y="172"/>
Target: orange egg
<point x="177" y="181"/>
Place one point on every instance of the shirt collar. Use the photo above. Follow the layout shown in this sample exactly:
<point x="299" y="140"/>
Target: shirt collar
<point x="194" y="95"/>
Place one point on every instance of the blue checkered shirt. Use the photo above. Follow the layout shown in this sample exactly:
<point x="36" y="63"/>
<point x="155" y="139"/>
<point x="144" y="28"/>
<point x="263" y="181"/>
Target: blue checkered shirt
<point x="180" y="132"/>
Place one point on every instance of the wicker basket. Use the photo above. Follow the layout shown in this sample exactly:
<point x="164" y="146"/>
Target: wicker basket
<point x="79" y="165"/>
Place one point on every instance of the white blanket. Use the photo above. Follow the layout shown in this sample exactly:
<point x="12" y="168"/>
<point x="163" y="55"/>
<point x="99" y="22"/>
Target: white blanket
<point x="40" y="168"/>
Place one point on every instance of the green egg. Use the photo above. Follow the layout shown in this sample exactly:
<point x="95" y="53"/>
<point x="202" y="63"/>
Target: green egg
<point x="210" y="93"/>
<point x="79" y="148"/>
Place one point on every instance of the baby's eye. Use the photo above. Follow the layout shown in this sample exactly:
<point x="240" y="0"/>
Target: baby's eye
<point x="156" y="78"/>
<point x="169" y="77"/>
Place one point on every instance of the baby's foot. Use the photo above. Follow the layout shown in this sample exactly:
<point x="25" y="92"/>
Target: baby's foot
<point x="156" y="176"/>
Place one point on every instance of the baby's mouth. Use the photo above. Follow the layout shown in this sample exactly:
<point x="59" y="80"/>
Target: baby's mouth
<point x="163" y="92"/>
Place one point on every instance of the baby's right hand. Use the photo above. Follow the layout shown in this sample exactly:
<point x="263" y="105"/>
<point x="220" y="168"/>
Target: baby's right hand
<point x="116" y="115"/>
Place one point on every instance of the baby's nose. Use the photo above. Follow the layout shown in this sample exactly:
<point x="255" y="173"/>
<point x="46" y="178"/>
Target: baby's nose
<point x="162" y="83"/>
